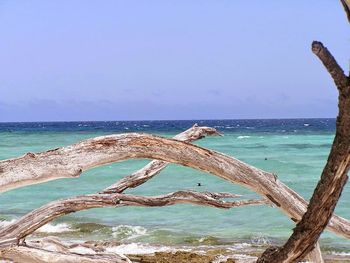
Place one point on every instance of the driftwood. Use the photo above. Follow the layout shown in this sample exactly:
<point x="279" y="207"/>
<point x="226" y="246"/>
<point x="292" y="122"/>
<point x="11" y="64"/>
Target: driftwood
<point x="90" y="153"/>
<point x="13" y="233"/>
<point x="135" y="179"/>
<point x="30" y="222"/>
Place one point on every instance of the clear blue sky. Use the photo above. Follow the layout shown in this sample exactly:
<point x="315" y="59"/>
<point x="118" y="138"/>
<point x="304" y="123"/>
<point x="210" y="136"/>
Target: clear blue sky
<point x="181" y="59"/>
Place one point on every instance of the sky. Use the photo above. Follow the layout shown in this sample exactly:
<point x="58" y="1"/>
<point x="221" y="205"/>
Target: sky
<point x="182" y="59"/>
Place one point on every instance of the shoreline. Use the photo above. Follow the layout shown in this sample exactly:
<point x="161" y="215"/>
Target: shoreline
<point x="148" y="253"/>
<point x="141" y="246"/>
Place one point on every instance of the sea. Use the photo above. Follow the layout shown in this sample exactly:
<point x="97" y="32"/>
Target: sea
<point x="294" y="149"/>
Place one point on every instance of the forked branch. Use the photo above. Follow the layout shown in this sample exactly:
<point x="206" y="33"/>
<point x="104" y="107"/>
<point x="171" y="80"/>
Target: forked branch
<point x="156" y="166"/>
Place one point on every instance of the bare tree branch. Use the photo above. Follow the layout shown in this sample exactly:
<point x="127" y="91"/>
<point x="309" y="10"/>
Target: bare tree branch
<point x="337" y="73"/>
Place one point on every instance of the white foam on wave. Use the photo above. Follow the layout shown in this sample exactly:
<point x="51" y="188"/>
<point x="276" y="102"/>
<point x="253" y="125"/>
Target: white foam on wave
<point x="243" y="137"/>
<point x="128" y="232"/>
<point x="261" y="240"/>
<point x="6" y="222"/>
<point x="48" y="228"/>
<point x="241" y="246"/>
<point x="341" y="253"/>
<point x="137" y="248"/>
<point x="58" y="228"/>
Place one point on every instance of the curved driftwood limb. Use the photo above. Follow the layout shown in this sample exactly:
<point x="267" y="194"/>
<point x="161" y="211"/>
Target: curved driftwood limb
<point x="333" y="178"/>
<point x="11" y="234"/>
<point x="90" y="153"/>
<point x="35" y="255"/>
<point x="11" y="181"/>
<point x="155" y="167"/>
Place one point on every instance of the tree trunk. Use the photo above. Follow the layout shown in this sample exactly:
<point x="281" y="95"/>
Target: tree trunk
<point x="333" y="178"/>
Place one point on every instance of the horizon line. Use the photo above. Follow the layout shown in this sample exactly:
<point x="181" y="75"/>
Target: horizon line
<point x="225" y="119"/>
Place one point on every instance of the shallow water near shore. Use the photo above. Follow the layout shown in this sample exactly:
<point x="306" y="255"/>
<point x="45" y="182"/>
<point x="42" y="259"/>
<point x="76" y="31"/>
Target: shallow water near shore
<point x="295" y="150"/>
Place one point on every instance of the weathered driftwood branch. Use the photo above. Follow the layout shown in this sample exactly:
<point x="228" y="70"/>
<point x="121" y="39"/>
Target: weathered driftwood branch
<point x="23" y="176"/>
<point x="155" y="167"/>
<point x="333" y="178"/>
<point x="90" y="153"/>
<point x="141" y="176"/>
<point x="27" y="224"/>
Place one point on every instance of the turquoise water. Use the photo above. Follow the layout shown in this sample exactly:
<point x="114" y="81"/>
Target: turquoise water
<point x="296" y="150"/>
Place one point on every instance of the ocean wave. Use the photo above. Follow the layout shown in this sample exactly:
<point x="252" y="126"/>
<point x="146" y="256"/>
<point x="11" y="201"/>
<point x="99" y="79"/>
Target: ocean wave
<point x="4" y="223"/>
<point x="138" y="248"/>
<point x="340" y="253"/>
<point x="261" y="240"/>
<point x="128" y="232"/>
<point x="48" y="228"/>
<point x="57" y="228"/>
<point x="240" y="246"/>
<point x="243" y="137"/>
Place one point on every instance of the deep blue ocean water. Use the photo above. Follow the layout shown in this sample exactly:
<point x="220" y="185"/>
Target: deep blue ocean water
<point x="295" y="149"/>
